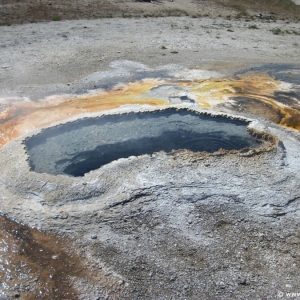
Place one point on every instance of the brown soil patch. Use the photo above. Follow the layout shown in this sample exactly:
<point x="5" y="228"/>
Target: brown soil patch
<point x="25" y="11"/>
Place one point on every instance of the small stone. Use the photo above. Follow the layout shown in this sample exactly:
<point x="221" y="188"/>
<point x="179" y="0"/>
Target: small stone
<point x="293" y="240"/>
<point x="62" y="215"/>
<point x="94" y="237"/>
<point x="244" y="247"/>
<point x="222" y="285"/>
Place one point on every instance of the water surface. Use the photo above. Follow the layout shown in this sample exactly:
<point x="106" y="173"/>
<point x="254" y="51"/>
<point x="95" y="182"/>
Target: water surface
<point x="78" y="147"/>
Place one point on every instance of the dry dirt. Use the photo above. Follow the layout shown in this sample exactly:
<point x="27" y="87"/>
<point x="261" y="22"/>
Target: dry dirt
<point x="31" y="11"/>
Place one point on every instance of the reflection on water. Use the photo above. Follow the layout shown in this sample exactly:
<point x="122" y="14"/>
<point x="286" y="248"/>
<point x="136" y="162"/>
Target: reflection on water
<point x="78" y="147"/>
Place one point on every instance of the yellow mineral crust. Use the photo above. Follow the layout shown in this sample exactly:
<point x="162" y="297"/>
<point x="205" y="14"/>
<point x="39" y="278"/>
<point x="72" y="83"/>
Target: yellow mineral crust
<point x="23" y="117"/>
<point x="250" y="93"/>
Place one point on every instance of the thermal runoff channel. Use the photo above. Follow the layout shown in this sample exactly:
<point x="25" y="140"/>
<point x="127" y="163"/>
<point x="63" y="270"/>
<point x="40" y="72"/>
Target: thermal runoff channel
<point x="75" y="148"/>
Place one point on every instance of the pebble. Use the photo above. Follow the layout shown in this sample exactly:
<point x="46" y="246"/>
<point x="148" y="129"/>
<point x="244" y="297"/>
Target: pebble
<point x="222" y="285"/>
<point x="245" y="247"/>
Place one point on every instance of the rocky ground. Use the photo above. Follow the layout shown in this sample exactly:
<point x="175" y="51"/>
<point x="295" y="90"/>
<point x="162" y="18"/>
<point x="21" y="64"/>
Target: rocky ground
<point x="166" y="226"/>
<point x="32" y="11"/>
<point x="48" y="56"/>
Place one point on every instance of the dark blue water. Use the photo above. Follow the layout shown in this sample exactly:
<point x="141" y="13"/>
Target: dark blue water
<point x="78" y="147"/>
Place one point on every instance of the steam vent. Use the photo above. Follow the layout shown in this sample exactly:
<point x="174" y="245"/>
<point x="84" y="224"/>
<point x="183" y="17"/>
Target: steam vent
<point x="144" y="183"/>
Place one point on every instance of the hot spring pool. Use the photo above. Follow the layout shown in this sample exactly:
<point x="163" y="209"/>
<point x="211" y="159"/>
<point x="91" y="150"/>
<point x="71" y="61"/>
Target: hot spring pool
<point x="78" y="147"/>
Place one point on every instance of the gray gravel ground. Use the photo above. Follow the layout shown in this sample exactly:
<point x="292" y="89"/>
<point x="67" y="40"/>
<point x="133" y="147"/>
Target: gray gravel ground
<point x="35" y="58"/>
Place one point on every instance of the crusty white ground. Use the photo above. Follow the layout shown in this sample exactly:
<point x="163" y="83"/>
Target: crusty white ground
<point x="46" y="56"/>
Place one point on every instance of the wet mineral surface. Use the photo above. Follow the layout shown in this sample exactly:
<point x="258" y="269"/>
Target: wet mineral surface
<point x="174" y="225"/>
<point x="255" y="92"/>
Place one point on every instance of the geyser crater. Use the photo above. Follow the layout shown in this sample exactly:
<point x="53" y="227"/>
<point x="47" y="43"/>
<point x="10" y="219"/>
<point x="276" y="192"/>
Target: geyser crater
<point x="78" y="147"/>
